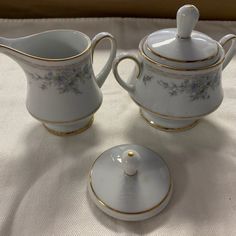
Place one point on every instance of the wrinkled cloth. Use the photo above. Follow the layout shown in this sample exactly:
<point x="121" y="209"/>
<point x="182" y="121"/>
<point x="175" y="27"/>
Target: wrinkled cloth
<point x="43" y="178"/>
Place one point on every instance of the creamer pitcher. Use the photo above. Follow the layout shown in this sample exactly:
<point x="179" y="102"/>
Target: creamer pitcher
<point x="62" y="90"/>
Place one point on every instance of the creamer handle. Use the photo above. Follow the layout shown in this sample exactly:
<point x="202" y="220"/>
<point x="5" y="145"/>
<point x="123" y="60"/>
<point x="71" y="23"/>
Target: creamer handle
<point x="101" y="77"/>
<point x="230" y="53"/>
<point x="129" y="87"/>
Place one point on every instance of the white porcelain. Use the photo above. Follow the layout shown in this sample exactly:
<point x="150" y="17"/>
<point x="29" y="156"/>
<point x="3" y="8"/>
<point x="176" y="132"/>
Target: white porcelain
<point x="62" y="90"/>
<point x="130" y="191"/>
<point x="177" y="79"/>
<point x="182" y="47"/>
<point x="130" y="162"/>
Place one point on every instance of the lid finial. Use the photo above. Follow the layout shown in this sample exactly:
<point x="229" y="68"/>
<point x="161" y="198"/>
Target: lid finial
<point x="130" y="160"/>
<point x="187" y="18"/>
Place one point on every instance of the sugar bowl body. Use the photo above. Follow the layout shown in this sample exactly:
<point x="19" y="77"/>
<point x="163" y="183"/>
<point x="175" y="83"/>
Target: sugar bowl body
<point x="177" y="79"/>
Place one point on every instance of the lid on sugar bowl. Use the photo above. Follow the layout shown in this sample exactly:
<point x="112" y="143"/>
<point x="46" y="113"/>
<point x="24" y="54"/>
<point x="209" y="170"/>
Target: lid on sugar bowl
<point x="130" y="182"/>
<point x="182" y="47"/>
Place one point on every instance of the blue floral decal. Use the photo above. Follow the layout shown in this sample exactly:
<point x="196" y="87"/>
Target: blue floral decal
<point x="146" y="79"/>
<point x="65" y="79"/>
<point x="196" y="88"/>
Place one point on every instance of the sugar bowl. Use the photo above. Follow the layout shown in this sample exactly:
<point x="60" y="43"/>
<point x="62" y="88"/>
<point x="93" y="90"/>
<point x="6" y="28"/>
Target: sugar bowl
<point x="177" y="79"/>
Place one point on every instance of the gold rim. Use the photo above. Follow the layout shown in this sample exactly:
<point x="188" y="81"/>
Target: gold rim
<point x="141" y="51"/>
<point x="64" y="122"/>
<point x="70" y="133"/>
<point x="177" y="117"/>
<point x="123" y="212"/>
<point x="131" y="57"/>
<point x="162" y="128"/>
<point x="176" y="60"/>
<point x="229" y="39"/>
<point x="51" y="59"/>
<point x="130" y="213"/>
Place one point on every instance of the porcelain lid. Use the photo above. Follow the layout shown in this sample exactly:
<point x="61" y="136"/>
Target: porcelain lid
<point x="178" y="46"/>
<point x="130" y="182"/>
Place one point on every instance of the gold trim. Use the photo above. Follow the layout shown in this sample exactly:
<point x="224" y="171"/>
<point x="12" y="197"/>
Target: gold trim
<point x="162" y="128"/>
<point x="64" y="122"/>
<point x="177" y="117"/>
<point x="176" y="60"/>
<point x="229" y="39"/>
<point x="142" y="53"/>
<point x="132" y="213"/>
<point x="133" y="58"/>
<point x="70" y="133"/>
<point x="129" y="213"/>
<point x="51" y="59"/>
<point x="130" y="154"/>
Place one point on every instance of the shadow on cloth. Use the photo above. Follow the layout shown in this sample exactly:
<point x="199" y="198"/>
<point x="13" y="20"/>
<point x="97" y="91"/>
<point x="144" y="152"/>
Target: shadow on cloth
<point x="43" y="155"/>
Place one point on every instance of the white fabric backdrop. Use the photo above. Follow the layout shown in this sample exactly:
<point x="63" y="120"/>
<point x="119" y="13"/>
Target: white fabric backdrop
<point x="43" y="177"/>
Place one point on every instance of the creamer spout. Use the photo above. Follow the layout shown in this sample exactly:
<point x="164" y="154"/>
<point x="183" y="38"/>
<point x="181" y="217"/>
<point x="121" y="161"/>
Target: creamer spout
<point x="10" y="47"/>
<point x="5" y="44"/>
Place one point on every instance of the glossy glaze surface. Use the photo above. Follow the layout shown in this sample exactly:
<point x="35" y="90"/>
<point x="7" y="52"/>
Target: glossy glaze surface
<point x="62" y="89"/>
<point x="178" y="73"/>
<point x="133" y="197"/>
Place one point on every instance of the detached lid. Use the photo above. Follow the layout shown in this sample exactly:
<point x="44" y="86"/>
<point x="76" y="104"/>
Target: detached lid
<point x="130" y="182"/>
<point x="182" y="47"/>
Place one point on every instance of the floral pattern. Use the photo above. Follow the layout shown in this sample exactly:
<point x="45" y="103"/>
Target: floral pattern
<point x="65" y="79"/>
<point x="146" y="79"/>
<point x="196" y="89"/>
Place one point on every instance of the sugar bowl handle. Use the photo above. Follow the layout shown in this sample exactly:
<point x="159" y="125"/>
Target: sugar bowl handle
<point x="129" y="87"/>
<point x="230" y="53"/>
<point x="187" y="18"/>
<point x="101" y="77"/>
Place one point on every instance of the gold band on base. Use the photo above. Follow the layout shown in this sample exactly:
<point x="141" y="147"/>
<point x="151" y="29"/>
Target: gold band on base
<point x="162" y="128"/>
<point x="70" y="133"/>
